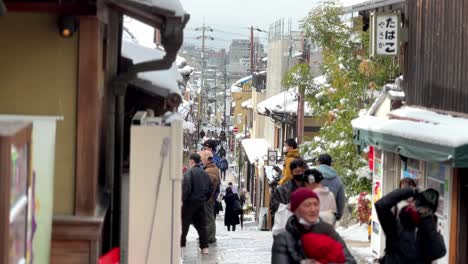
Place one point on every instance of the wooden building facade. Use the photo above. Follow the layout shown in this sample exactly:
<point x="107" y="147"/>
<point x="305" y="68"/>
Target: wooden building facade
<point x="77" y="74"/>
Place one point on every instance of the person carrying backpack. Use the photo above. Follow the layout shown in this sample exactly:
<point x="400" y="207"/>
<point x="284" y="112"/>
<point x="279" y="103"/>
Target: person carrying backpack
<point x="224" y="165"/>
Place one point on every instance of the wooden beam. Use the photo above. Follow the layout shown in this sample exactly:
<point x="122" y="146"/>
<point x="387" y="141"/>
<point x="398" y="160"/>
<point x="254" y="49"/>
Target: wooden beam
<point x="79" y="8"/>
<point x="88" y="116"/>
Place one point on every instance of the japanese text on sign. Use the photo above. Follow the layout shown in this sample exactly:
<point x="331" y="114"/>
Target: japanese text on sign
<point x="386" y="39"/>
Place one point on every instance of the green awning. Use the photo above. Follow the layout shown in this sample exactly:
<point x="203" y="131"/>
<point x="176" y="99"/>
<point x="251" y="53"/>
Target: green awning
<point x="455" y="156"/>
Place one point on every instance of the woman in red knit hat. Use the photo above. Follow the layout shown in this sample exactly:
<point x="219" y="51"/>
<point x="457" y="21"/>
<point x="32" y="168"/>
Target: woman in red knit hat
<point x="306" y="238"/>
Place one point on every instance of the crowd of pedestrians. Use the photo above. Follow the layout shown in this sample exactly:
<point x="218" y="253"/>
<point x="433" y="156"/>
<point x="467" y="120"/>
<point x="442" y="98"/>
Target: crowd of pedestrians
<point x="306" y="202"/>
<point x="203" y="194"/>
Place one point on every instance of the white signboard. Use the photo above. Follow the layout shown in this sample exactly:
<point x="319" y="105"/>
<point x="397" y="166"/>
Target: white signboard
<point x="385" y="34"/>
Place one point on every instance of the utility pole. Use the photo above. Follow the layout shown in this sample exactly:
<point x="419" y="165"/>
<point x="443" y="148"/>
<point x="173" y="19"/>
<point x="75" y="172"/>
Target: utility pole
<point x="251" y="50"/>
<point x="301" y="91"/>
<point x="202" y="85"/>
<point x="225" y="98"/>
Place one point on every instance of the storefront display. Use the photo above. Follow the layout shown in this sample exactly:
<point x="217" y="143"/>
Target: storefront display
<point x="377" y="236"/>
<point x="411" y="168"/>
<point x="15" y="224"/>
<point x="438" y="177"/>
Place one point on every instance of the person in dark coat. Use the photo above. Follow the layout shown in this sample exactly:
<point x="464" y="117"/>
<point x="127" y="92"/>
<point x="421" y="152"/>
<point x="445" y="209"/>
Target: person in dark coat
<point x="222" y="136"/>
<point x="306" y="237"/>
<point x="223" y="166"/>
<point x="196" y="191"/>
<point x="231" y="217"/>
<point x="411" y="236"/>
<point x="282" y="193"/>
<point x="202" y="134"/>
<point x="222" y="152"/>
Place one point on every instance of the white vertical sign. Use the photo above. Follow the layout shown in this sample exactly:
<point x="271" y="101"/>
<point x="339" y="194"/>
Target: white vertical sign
<point x="386" y="39"/>
<point x="384" y="34"/>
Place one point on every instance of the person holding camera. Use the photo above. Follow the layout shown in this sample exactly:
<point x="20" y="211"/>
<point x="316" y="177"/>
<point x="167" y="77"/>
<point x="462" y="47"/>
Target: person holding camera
<point x="411" y="234"/>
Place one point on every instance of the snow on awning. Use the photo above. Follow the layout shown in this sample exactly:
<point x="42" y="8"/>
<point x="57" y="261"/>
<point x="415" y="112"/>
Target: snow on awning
<point x="243" y="80"/>
<point x="416" y="133"/>
<point x="247" y="104"/>
<point x="256" y="148"/>
<point x="173" y="6"/>
<point x="284" y="102"/>
<point x="163" y="82"/>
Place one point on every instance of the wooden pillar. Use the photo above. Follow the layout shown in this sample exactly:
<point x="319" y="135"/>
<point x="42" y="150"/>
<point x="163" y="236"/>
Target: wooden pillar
<point x="454" y="210"/>
<point x="88" y="116"/>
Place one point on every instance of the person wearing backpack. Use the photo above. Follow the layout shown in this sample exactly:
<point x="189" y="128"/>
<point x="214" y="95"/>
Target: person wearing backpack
<point x="224" y="165"/>
<point x="233" y="209"/>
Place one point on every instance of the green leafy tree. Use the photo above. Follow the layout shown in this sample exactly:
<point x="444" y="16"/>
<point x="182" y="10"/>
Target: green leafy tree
<point x="352" y="82"/>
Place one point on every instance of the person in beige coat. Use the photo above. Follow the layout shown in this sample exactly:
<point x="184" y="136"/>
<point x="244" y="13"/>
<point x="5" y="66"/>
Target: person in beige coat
<point x="213" y="171"/>
<point x="328" y="208"/>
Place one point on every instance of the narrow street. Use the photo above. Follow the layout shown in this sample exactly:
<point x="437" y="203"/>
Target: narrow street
<point x="247" y="246"/>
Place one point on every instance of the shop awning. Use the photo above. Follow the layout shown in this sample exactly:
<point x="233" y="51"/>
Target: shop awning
<point x="162" y="82"/>
<point x="242" y="81"/>
<point x="255" y="148"/>
<point x="416" y="133"/>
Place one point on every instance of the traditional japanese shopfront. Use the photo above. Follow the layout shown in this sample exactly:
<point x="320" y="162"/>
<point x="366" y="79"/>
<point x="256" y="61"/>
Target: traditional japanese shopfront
<point x="431" y="149"/>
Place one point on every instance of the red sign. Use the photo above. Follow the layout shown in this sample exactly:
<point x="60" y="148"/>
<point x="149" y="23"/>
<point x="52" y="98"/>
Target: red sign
<point x="235" y="130"/>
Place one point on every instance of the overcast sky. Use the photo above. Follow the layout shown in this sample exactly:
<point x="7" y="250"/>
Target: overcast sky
<point x="231" y="18"/>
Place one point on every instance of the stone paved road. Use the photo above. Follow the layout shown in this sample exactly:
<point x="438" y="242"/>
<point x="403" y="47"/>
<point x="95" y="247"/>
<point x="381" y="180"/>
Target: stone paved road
<point x="247" y="246"/>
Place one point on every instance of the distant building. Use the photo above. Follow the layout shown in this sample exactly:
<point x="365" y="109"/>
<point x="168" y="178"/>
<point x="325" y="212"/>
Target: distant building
<point x="239" y="56"/>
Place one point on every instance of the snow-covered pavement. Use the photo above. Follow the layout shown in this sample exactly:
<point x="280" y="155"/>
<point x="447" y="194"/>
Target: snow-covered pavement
<point x="356" y="237"/>
<point x="247" y="246"/>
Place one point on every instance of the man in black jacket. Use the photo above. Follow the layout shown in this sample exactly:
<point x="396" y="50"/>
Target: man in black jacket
<point x="282" y="194"/>
<point x="411" y="237"/>
<point x="196" y="191"/>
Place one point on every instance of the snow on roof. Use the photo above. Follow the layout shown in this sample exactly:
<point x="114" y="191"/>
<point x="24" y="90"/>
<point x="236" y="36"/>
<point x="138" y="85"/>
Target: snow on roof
<point x="247" y="104"/>
<point x="360" y="5"/>
<point x="187" y="70"/>
<point x="184" y="108"/>
<point x="181" y="61"/>
<point x="284" y="102"/>
<point x="256" y="148"/>
<point x="189" y="126"/>
<point x="171" y="5"/>
<point x="396" y="94"/>
<point x="243" y="80"/>
<point x="169" y="79"/>
<point x="265" y="59"/>
<point x="236" y="89"/>
<point x="420" y="125"/>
